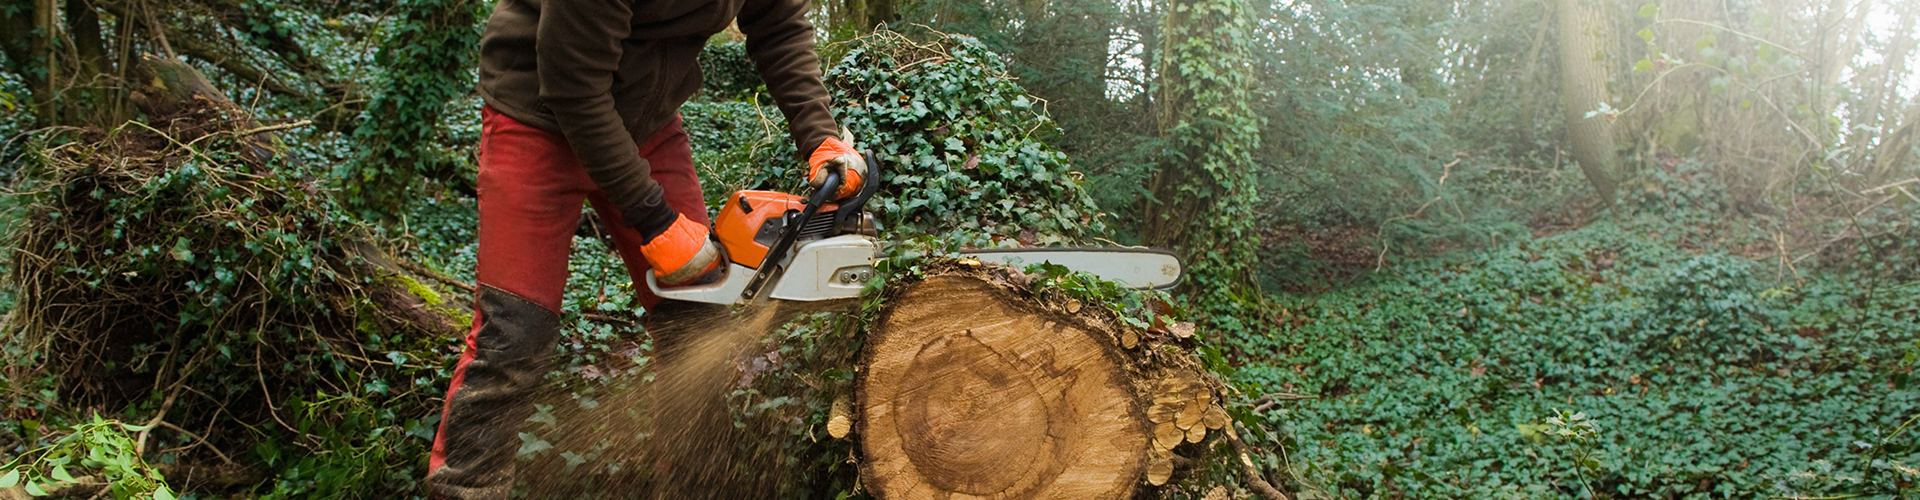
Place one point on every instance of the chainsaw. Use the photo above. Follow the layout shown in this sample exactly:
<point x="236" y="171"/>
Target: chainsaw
<point x="787" y="247"/>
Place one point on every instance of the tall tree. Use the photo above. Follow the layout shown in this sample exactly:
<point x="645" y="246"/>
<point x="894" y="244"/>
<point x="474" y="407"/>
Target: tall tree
<point x="1202" y="195"/>
<point x="427" y="61"/>
<point x="1583" y="87"/>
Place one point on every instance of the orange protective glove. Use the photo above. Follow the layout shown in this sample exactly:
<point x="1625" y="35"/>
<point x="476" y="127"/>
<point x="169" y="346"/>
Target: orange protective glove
<point x="835" y="153"/>
<point x="683" y="255"/>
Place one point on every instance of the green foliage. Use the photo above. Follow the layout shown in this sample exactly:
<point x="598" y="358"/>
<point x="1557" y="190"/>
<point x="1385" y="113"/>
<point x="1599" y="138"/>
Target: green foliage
<point x="961" y="143"/>
<point x="154" y="265"/>
<point x="428" y="62"/>
<point x="785" y="394"/>
<point x="1373" y="120"/>
<point x="1708" y="379"/>
<point x="100" y="445"/>
<point x="741" y="145"/>
<point x="727" y="74"/>
<point x="962" y="146"/>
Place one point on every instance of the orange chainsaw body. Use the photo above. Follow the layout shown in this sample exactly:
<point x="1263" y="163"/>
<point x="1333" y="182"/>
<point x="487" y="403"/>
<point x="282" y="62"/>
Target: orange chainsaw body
<point x="750" y="223"/>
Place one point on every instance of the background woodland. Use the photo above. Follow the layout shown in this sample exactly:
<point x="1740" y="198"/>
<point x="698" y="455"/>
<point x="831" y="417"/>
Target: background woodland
<point x="1436" y="248"/>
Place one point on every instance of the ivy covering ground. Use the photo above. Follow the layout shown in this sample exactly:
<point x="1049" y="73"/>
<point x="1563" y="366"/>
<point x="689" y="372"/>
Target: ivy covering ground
<point x="1701" y="375"/>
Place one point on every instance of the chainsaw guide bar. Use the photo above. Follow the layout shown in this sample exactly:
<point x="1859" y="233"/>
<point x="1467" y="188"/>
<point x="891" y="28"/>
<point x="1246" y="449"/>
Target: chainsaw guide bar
<point x="814" y="261"/>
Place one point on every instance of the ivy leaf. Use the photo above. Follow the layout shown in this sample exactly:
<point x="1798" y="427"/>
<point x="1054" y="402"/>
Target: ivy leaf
<point x="1642" y="65"/>
<point x="11" y="479"/>
<point x="163" y="494"/>
<point x="1645" y="34"/>
<point x="531" y="444"/>
<point x="181" y="250"/>
<point x="1647" y="10"/>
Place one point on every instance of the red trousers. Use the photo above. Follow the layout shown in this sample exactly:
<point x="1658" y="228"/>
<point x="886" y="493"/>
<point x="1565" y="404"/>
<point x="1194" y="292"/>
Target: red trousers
<point x="531" y="187"/>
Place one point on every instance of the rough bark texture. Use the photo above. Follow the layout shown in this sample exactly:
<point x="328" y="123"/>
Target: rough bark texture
<point x="1583" y="86"/>
<point x="970" y="391"/>
<point x="179" y="100"/>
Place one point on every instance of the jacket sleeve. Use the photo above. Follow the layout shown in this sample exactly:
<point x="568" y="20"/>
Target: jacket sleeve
<point x="780" y="42"/>
<point x="578" y="51"/>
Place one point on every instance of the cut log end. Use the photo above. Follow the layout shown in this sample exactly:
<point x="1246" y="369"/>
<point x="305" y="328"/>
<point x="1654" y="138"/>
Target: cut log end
<point x="970" y="392"/>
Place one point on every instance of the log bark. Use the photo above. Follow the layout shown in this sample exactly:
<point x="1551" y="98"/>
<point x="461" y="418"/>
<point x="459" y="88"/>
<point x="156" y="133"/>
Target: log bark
<point x="970" y="391"/>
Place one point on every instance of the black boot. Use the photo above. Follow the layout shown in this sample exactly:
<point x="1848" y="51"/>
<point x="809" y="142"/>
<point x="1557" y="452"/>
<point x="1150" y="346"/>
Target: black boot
<point x="505" y="359"/>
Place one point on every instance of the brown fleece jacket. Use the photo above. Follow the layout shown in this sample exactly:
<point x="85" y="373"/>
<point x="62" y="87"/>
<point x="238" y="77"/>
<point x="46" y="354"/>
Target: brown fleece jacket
<point x="607" y="74"/>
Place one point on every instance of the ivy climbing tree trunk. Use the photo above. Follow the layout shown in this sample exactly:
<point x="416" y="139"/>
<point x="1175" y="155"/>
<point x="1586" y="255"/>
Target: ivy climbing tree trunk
<point x="1203" y="194"/>
<point x="428" y="62"/>
<point x="1583" y="87"/>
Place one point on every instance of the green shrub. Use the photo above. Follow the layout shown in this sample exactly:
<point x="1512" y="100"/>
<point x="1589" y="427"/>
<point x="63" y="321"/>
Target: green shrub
<point x="99" y="450"/>
<point x="962" y="145"/>
<point x="1701" y="375"/>
<point x="170" y="275"/>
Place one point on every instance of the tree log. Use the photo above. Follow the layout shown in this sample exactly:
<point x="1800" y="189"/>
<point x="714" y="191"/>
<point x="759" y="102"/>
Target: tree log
<point x="972" y="392"/>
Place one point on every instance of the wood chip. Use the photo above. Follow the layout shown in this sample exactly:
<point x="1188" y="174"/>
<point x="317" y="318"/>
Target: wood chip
<point x="1190" y="415"/>
<point x="1161" y="413"/>
<point x="1196" y="433"/>
<point x="840" y="421"/>
<point x="1182" y="329"/>
<point x="1179" y="385"/>
<point x="1159" y="469"/>
<point x="1215" y="417"/>
<point x="1218" y="493"/>
<point x="1129" y="340"/>
<point x="1073" y="306"/>
<point x="1166" y="436"/>
<point x="970" y="262"/>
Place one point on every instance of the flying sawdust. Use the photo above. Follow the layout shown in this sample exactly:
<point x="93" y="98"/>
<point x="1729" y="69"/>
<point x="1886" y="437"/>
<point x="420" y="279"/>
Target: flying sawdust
<point x="661" y="433"/>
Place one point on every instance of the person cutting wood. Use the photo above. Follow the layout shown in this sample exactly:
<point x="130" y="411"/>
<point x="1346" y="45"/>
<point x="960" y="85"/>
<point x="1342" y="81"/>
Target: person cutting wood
<point x="582" y="100"/>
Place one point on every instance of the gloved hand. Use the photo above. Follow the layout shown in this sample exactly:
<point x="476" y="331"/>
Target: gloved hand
<point x="837" y="153"/>
<point x="683" y="254"/>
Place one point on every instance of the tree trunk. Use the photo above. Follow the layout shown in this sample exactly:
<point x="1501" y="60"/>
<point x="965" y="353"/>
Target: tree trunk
<point x="1837" y="40"/>
<point x="45" y="17"/>
<point x="1583" y="87"/>
<point x="1883" y="91"/>
<point x="972" y="392"/>
<point x="178" y="99"/>
<point x="1895" y="157"/>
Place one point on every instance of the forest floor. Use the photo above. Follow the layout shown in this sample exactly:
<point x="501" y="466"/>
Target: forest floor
<point x="1624" y="358"/>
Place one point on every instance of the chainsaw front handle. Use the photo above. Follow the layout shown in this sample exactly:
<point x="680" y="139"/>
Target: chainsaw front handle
<point x="790" y="233"/>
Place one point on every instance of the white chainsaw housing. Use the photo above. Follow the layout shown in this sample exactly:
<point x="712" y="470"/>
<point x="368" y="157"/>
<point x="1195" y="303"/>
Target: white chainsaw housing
<point x="825" y="269"/>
